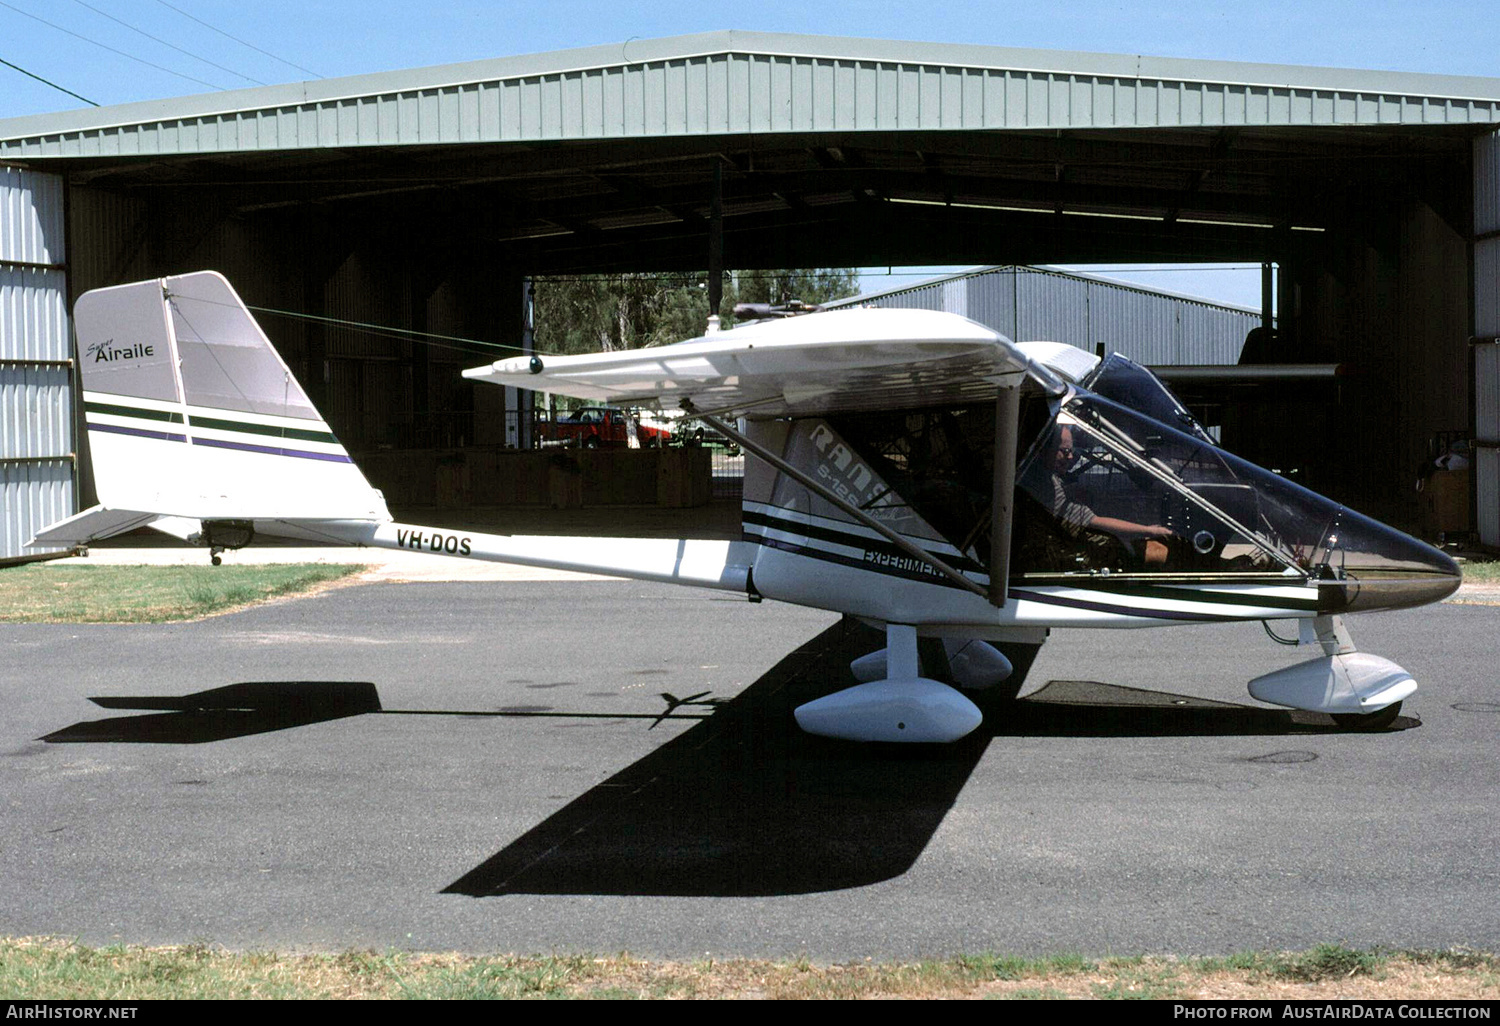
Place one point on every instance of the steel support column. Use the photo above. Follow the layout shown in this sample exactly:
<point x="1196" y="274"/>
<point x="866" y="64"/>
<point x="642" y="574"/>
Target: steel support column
<point x="716" y="242"/>
<point x="1486" y="327"/>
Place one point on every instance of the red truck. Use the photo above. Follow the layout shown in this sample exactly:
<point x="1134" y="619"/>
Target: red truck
<point x="594" y="426"/>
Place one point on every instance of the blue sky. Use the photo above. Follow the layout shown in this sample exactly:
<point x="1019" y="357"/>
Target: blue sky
<point x="339" y="37"/>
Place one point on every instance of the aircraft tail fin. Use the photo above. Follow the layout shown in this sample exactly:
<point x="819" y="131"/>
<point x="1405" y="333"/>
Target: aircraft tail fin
<point x="192" y="414"/>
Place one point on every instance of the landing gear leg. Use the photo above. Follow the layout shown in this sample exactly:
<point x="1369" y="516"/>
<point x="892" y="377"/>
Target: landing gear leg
<point x="1362" y="692"/>
<point x="901" y="706"/>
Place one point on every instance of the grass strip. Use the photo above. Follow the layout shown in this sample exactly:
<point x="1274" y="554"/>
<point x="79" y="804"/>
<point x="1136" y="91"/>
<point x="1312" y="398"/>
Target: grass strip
<point x="46" y="593"/>
<point x="35" y="969"/>
<point x="1481" y="573"/>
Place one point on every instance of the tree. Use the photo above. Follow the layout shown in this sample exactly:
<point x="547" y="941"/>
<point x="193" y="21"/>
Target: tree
<point x="814" y="285"/>
<point x="629" y="311"/>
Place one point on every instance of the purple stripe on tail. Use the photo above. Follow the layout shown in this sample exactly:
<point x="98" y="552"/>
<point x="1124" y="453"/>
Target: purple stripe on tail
<point x="165" y="436"/>
<point x="328" y="457"/>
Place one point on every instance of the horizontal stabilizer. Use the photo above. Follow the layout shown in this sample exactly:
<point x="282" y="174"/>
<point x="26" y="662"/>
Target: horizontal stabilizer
<point x="92" y="524"/>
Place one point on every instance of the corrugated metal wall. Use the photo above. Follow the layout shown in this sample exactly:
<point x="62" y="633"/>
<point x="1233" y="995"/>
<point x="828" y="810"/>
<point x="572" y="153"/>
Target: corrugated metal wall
<point x="36" y="390"/>
<point x="1487" y="325"/>
<point x="1028" y="303"/>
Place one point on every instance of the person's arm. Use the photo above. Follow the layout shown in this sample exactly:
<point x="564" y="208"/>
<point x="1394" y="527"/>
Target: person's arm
<point x="1126" y="529"/>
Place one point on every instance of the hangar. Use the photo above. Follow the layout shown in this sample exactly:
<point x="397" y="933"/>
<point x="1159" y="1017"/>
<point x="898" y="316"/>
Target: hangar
<point x="424" y="199"/>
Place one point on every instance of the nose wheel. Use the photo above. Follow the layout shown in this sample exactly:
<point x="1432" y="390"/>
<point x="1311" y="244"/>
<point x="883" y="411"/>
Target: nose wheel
<point x="1343" y="683"/>
<point x="1367" y="722"/>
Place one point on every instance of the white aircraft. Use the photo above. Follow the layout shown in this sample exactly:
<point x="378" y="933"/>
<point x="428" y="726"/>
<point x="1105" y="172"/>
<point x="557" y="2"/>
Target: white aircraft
<point x="910" y="468"/>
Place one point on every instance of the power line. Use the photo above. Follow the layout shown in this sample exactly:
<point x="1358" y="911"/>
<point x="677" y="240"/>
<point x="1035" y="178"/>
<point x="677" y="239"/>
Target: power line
<point x="163" y="42"/>
<point x="44" y="81"/>
<point x="226" y="35"/>
<point x="104" y="46"/>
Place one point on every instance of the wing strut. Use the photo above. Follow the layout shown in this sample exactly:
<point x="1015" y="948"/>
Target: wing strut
<point x="1002" y="501"/>
<point x="904" y="544"/>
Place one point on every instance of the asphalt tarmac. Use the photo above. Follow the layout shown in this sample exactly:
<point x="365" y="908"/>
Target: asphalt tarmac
<point x="492" y="767"/>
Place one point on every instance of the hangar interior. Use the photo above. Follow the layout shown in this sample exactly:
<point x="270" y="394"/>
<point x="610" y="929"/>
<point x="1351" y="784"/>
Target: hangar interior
<point x="425" y="199"/>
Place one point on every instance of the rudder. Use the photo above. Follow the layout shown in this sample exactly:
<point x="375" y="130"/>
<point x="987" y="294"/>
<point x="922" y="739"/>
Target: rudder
<point x="192" y="413"/>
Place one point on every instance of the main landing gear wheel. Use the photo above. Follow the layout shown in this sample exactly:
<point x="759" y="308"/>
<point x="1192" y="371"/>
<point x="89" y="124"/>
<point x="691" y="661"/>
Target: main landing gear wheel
<point x="1021" y="656"/>
<point x="1368" y="721"/>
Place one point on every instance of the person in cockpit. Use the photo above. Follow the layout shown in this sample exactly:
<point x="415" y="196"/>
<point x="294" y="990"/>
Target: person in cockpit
<point x="1083" y="523"/>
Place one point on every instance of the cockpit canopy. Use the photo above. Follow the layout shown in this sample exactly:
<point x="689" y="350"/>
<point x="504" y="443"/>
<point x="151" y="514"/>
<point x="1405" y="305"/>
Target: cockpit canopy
<point x="1125" y="382"/>
<point x="1118" y="478"/>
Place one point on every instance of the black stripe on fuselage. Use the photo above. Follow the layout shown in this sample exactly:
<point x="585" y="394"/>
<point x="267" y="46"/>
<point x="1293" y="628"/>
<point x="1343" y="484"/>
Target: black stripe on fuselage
<point x="854" y="541"/>
<point x="1124" y="589"/>
<point x="1119" y="610"/>
<point x="927" y="576"/>
<point x="1137" y="589"/>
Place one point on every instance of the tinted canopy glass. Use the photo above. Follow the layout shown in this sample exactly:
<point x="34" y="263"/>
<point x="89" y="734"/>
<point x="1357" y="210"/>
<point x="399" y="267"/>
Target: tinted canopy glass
<point x="1107" y="488"/>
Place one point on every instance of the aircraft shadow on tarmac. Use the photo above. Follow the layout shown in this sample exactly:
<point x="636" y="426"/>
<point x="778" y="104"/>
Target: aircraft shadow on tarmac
<point x="742" y="803"/>
<point x="235" y="710"/>
<point x="746" y="804"/>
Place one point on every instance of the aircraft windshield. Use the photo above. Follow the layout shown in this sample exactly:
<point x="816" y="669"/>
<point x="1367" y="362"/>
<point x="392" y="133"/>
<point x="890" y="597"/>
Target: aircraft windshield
<point x="1106" y="488"/>
<point x="1126" y="382"/>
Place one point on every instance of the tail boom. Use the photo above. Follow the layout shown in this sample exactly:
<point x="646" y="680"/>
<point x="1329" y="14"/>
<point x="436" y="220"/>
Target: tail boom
<point x="704" y="563"/>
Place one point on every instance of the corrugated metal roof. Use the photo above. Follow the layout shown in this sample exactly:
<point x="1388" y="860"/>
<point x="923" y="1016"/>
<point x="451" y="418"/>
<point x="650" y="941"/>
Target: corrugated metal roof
<point x="1088" y="311"/>
<point x="731" y="83"/>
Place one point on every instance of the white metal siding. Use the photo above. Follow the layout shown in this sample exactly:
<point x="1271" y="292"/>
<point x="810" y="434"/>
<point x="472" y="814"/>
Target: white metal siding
<point x="31" y="217"/>
<point x="1144" y="328"/>
<point x="33" y="495"/>
<point x="33" y="312"/>
<point x="36" y="392"/>
<point x="36" y="411"/>
<point x="1487" y="325"/>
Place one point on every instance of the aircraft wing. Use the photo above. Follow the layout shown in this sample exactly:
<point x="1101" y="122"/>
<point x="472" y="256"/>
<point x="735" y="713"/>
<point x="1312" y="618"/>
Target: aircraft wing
<point x="816" y="364"/>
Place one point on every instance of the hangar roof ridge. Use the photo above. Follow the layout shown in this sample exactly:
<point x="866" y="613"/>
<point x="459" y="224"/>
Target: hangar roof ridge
<point x="28" y="136"/>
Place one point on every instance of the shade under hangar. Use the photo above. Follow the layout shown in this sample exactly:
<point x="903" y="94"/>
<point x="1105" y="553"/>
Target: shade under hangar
<point x="833" y="152"/>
